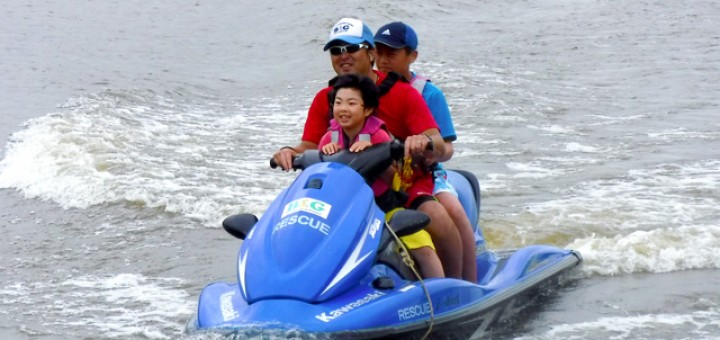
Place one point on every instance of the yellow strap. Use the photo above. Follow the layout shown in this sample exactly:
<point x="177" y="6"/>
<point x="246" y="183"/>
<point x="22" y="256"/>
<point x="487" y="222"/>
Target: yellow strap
<point x="391" y="213"/>
<point x="403" y="178"/>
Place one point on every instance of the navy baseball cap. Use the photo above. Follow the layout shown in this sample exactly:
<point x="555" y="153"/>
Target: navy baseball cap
<point x="351" y="31"/>
<point x="397" y="35"/>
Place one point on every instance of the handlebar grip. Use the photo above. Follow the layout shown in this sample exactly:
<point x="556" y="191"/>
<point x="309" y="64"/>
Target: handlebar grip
<point x="430" y="146"/>
<point x="273" y="165"/>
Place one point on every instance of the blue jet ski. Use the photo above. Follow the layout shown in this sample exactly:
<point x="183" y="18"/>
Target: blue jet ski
<point x="323" y="262"/>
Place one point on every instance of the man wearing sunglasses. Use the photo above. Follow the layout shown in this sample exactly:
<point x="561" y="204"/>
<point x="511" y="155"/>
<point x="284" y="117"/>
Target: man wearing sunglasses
<point x="352" y="50"/>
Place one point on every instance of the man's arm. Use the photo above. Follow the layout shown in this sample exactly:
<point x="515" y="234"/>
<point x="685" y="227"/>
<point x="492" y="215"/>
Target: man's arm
<point x="418" y="144"/>
<point x="449" y="151"/>
<point x="316" y="125"/>
<point x="284" y="156"/>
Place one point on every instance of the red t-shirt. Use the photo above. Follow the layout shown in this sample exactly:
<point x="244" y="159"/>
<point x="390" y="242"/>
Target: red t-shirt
<point x="405" y="114"/>
<point x="402" y="109"/>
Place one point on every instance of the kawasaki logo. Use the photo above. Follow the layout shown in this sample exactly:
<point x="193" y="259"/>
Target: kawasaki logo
<point x="226" y="306"/>
<point x="350" y="306"/>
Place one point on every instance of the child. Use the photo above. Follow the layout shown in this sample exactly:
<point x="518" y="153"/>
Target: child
<point x="396" y="47"/>
<point x="354" y="99"/>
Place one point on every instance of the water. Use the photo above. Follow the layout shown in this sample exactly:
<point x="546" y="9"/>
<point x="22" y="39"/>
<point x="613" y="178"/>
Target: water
<point x="131" y="129"/>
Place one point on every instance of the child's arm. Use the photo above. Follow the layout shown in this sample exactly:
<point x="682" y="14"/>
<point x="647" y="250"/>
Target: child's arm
<point x="389" y="175"/>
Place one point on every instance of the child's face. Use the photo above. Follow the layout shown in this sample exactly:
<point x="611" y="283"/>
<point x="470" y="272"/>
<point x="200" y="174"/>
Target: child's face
<point x="349" y="109"/>
<point x="394" y="59"/>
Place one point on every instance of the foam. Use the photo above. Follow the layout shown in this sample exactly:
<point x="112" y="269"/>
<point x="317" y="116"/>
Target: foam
<point x="128" y="305"/>
<point x="695" y="325"/>
<point x="626" y="230"/>
<point x="137" y="147"/>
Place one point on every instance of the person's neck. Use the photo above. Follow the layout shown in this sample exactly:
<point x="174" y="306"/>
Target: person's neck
<point x="408" y="75"/>
<point x="351" y="133"/>
<point x="373" y="75"/>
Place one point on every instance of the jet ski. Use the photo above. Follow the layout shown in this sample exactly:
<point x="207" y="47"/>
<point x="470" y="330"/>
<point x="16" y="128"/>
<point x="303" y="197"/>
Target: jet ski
<point x="322" y="262"/>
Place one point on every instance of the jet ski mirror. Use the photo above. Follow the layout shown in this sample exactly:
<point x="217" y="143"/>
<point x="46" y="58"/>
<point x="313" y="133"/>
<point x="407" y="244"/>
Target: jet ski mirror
<point x="239" y="225"/>
<point x="406" y="222"/>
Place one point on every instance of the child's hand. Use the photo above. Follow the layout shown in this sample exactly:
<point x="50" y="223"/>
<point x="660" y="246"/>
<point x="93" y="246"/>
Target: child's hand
<point x="360" y="146"/>
<point x="330" y="148"/>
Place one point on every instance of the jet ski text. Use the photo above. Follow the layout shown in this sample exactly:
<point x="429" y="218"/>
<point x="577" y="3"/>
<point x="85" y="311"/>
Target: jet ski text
<point x="303" y="220"/>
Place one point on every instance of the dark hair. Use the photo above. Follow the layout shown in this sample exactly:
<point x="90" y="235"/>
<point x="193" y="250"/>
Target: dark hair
<point x="368" y="90"/>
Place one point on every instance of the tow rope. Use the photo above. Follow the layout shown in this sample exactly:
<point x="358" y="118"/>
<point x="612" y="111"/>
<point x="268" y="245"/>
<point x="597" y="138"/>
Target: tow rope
<point x="408" y="261"/>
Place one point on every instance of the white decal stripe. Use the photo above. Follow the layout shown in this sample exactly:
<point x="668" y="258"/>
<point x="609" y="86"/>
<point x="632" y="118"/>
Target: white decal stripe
<point x="351" y="263"/>
<point x="241" y="272"/>
<point x="406" y="288"/>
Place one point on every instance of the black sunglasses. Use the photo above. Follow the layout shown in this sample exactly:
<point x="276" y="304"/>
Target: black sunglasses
<point x="338" y="50"/>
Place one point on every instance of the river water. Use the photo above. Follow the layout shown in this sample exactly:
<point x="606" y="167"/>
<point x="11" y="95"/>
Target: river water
<point x="129" y="129"/>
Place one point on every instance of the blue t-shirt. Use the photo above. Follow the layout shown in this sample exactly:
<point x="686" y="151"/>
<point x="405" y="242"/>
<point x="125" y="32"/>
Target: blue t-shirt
<point x="435" y="100"/>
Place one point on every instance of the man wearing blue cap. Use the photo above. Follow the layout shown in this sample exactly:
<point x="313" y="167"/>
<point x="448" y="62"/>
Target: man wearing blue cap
<point x="396" y="48"/>
<point x="407" y="117"/>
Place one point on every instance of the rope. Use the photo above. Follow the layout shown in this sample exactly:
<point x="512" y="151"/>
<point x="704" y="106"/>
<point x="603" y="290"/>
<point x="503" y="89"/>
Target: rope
<point x="407" y="259"/>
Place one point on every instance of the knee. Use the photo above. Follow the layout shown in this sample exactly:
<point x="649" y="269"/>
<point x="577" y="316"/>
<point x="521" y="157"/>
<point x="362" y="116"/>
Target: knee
<point x="451" y="204"/>
<point x="436" y="211"/>
<point x="455" y="210"/>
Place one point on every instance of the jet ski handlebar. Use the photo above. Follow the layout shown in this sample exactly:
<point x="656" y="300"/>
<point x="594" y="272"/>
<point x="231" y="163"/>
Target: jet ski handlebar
<point x="370" y="163"/>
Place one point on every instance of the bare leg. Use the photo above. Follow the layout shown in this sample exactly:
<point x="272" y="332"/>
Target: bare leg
<point x="457" y="213"/>
<point x="428" y="261"/>
<point x="445" y="236"/>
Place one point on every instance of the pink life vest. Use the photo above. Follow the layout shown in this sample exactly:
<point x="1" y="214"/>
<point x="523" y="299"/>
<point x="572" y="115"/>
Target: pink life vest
<point x="371" y="132"/>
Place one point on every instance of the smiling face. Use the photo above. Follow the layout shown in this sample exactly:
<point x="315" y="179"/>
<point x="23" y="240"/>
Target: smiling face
<point x="349" y="110"/>
<point x="358" y="62"/>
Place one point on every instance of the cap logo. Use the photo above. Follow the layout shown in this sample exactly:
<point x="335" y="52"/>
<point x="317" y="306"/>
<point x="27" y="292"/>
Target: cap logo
<point x="386" y="32"/>
<point x="346" y="28"/>
<point x="351" y="31"/>
<point x="341" y="28"/>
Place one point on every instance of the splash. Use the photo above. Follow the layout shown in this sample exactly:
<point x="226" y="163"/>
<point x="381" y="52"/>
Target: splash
<point x="145" y="150"/>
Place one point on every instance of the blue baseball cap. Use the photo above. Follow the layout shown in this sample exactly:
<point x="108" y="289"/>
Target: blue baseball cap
<point x="397" y="35"/>
<point x="351" y="31"/>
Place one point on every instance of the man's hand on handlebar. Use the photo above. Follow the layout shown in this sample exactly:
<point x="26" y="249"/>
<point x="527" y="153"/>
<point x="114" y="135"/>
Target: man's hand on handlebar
<point x="284" y="156"/>
<point x="419" y="146"/>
